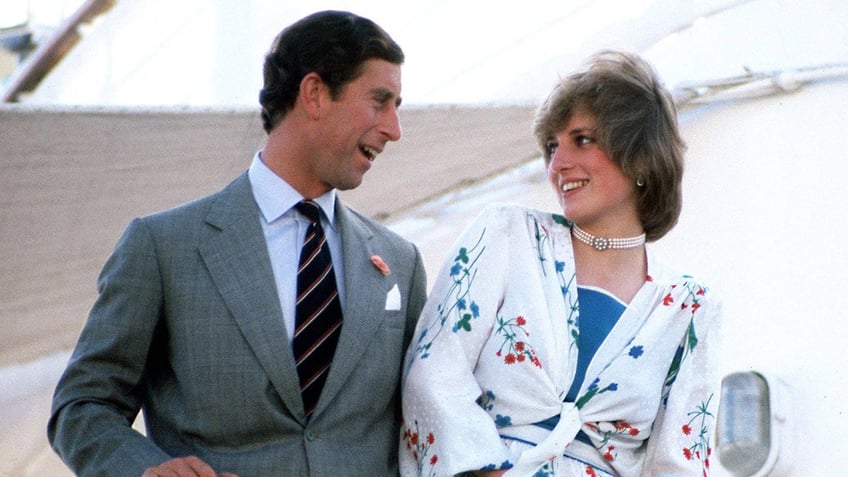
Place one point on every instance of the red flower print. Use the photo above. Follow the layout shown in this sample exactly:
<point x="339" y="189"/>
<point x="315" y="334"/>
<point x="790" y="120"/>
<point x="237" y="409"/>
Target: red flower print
<point x="514" y="349"/>
<point x="607" y="433"/>
<point x="608" y="455"/>
<point x="699" y="451"/>
<point x="668" y="300"/>
<point x="590" y="471"/>
<point x="700" y="291"/>
<point x="420" y="450"/>
<point x="649" y="278"/>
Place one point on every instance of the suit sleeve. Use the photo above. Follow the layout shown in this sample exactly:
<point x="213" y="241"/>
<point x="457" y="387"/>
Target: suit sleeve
<point x="417" y="295"/>
<point x="100" y="393"/>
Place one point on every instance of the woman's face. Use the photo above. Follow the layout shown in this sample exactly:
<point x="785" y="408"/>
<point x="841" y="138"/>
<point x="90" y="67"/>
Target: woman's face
<point x="593" y="190"/>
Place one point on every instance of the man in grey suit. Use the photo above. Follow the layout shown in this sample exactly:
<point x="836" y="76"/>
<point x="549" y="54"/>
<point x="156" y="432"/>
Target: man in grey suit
<point x="195" y="317"/>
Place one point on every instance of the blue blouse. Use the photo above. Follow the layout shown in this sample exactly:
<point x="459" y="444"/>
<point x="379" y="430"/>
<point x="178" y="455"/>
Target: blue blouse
<point x="599" y="312"/>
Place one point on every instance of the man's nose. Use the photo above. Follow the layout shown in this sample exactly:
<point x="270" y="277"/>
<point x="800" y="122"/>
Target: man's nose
<point x="390" y="124"/>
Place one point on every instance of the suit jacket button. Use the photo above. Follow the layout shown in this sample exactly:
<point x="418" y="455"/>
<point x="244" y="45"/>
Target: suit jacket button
<point x="309" y="435"/>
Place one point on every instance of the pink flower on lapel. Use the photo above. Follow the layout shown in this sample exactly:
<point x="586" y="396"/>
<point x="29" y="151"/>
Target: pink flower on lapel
<point x="381" y="265"/>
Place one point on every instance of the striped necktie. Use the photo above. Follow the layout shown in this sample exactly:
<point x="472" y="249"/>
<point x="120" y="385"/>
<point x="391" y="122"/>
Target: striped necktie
<point x="318" y="319"/>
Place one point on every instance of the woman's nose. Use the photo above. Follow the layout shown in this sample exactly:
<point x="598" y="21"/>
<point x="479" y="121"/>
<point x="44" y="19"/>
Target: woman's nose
<point x="559" y="160"/>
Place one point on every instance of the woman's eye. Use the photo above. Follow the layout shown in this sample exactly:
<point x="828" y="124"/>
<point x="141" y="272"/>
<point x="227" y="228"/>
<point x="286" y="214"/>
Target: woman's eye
<point x="550" y="148"/>
<point x="583" y="140"/>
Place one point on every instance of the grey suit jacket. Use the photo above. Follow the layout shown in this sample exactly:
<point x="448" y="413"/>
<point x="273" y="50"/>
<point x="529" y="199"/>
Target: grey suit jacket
<point x="188" y="328"/>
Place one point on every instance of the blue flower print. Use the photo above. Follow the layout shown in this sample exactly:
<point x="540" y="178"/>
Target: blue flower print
<point x="503" y="421"/>
<point x="486" y="400"/>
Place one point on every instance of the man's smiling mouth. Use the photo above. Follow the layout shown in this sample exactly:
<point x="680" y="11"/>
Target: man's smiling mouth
<point x="370" y="153"/>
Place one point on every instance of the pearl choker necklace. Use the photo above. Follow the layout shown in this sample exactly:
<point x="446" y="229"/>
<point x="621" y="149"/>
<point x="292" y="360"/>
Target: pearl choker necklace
<point x="603" y="243"/>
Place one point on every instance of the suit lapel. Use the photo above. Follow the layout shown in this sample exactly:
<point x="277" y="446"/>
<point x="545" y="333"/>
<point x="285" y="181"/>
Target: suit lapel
<point x="235" y="252"/>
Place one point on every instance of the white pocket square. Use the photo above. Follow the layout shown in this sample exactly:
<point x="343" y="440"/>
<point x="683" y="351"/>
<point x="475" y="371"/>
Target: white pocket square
<point x="393" y="299"/>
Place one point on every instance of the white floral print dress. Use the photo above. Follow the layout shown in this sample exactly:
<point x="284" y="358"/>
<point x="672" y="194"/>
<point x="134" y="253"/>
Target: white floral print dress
<point x="495" y="352"/>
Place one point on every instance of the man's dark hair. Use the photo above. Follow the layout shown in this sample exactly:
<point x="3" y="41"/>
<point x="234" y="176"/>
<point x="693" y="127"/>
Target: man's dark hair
<point x="333" y="44"/>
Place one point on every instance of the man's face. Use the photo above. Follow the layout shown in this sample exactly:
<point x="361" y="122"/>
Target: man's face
<point x="357" y="125"/>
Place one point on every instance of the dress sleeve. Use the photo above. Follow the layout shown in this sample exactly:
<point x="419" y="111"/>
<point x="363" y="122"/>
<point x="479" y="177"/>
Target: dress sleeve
<point x="445" y="429"/>
<point x="682" y="435"/>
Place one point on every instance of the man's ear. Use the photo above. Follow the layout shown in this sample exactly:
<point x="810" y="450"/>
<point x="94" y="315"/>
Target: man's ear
<point x="312" y="94"/>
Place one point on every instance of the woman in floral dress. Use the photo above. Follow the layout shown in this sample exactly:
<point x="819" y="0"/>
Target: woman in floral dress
<point x="557" y="343"/>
